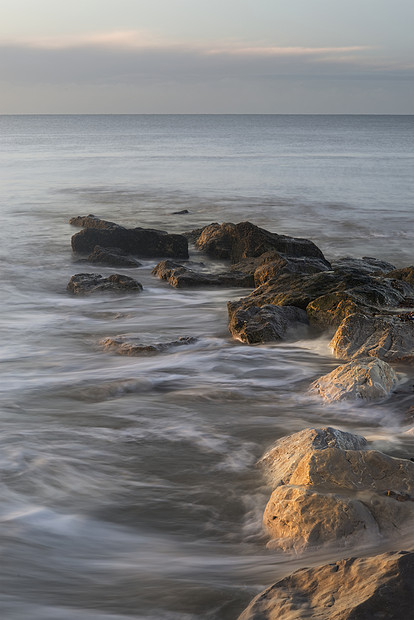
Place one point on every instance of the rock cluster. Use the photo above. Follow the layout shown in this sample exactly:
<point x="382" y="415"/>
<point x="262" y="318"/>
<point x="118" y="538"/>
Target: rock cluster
<point x="329" y="488"/>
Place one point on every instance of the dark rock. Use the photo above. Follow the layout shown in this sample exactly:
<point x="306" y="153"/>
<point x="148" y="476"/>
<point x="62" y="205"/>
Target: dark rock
<point x="277" y="264"/>
<point x="380" y="586"/>
<point x="366" y="264"/>
<point x="388" y="337"/>
<point x="182" y="212"/>
<point x="266" y="324"/>
<point x="143" y="242"/>
<point x="180" y="276"/>
<point x="87" y="283"/>
<point x="135" y="347"/>
<point x="112" y="257"/>
<point x="237" y="241"/>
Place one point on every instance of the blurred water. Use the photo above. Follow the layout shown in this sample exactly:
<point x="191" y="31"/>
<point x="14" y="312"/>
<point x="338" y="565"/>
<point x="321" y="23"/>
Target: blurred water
<point x="129" y="486"/>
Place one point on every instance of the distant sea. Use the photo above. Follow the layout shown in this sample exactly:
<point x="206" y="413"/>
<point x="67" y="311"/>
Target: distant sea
<point x="129" y="486"/>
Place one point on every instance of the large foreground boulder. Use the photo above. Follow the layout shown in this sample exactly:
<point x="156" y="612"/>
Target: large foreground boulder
<point x="380" y="586"/>
<point x="237" y="241"/>
<point x="365" y="378"/>
<point x="88" y="283"/>
<point x="388" y="337"/>
<point x="329" y="489"/>
<point x="266" y="324"/>
<point x="144" y="242"/>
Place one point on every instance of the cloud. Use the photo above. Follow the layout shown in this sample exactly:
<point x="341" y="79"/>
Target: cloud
<point x="113" y="68"/>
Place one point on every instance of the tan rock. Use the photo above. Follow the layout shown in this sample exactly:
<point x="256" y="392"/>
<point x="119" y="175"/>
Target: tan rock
<point x="380" y="586"/>
<point x="367" y="379"/>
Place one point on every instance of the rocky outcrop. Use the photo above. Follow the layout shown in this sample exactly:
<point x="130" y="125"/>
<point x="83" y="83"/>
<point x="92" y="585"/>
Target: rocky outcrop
<point x="379" y="586"/>
<point x="124" y="345"/>
<point x="237" y="241"/>
<point x="329" y="489"/>
<point x="112" y="257"/>
<point x="365" y="378"/>
<point x="144" y="242"/>
<point x="389" y="338"/>
<point x="88" y="283"/>
<point x="266" y="324"/>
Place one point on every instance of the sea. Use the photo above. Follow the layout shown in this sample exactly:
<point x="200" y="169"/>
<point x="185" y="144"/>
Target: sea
<point x="129" y="485"/>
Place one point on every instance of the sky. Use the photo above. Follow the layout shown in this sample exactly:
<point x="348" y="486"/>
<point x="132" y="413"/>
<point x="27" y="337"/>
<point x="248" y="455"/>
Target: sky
<point x="207" y="56"/>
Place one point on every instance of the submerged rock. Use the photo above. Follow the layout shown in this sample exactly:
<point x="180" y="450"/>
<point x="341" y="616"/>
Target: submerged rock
<point x="113" y="257"/>
<point x="389" y="338"/>
<point x="266" y="324"/>
<point x="237" y="241"/>
<point x="379" y="586"/>
<point x="366" y="378"/>
<point x="329" y="489"/>
<point x="88" y="283"/>
<point x="181" y="276"/>
<point x="124" y="345"/>
<point x="145" y="242"/>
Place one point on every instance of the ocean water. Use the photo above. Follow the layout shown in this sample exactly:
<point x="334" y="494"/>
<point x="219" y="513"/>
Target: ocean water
<point x="129" y="485"/>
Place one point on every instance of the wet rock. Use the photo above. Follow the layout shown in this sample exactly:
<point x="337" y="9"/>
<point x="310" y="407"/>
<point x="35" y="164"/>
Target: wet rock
<point x="390" y="338"/>
<point x="379" y="586"/>
<point x="181" y="276"/>
<point x="145" y="242"/>
<point x="366" y="264"/>
<point x="92" y="221"/>
<point x="88" y="283"/>
<point x="124" y="345"/>
<point x="237" y="241"/>
<point x="329" y="489"/>
<point x="182" y="212"/>
<point x="113" y="257"/>
<point x="277" y="264"/>
<point x="328" y="311"/>
<point x="406" y="274"/>
<point x="365" y="378"/>
<point x="266" y="324"/>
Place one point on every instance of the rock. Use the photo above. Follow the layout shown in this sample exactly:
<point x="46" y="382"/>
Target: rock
<point x="406" y="274"/>
<point x="277" y="264"/>
<point x="365" y="378"/>
<point x="143" y="242"/>
<point x="113" y="257"/>
<point x="134" y="346"/>
<point x="87" y="283"/>
<point x="91" y="221"/>
<point x="298" y="517"/>
<point x="380" y="586"/>
<point x="180" y="276"/>
<point x="328" y="311"/>
<point x="182" y="212"/>
<point x="266" y="324"/>
<point x="366" y="264"/>
<point x="390" y="338"/>
<point x="329" y="489"/>
<point x="244" y="240"/>
<point x="283" y="458"/>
